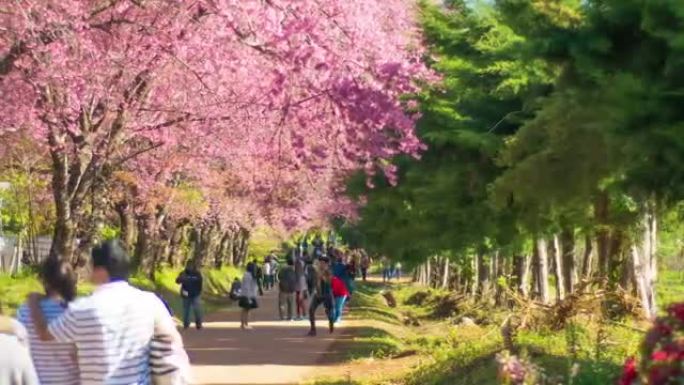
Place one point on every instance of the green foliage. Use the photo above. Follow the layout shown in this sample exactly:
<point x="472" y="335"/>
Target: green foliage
<point x="108" y="232"/>
<point x="23" y="204"/>
<point x="261" y="242"/>
<point x="441" y="203"/>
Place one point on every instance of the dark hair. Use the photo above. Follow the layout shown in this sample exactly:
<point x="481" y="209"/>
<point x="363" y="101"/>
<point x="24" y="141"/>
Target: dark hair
<point x="251" y="268"/>
<point x="58" y="277"/>
<point x="111" y="256"/>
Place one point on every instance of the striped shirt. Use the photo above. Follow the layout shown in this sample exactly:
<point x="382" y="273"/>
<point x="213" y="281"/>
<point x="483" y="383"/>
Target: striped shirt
<point x="112" y="330"/>
<point x="55" y="362"/>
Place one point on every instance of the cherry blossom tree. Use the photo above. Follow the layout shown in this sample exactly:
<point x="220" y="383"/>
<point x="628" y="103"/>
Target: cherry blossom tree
<point x="288" y="96"/>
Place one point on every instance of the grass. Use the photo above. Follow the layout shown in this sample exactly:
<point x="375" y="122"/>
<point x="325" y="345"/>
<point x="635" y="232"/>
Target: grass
<point x="670" y="288"/>
<point x="466" y="355"/>
<point x="15" y="289"/>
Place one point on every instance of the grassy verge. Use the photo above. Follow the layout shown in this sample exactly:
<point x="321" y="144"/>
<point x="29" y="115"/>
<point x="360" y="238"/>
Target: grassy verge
<point x="14" y="290"/>
<point x="450" y="352"/>
<point x="670" y="287"/>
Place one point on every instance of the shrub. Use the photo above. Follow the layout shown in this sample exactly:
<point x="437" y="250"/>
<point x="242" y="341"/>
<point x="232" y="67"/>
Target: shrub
<point x="662" y="351"/>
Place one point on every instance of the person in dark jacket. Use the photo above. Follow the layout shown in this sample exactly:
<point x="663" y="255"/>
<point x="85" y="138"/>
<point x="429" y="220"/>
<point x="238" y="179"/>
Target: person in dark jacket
<point x="190" y="280"/>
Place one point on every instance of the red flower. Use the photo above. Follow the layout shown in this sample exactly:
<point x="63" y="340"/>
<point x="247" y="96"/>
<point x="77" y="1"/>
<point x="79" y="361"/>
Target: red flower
<point x="629" y="372"/>
<point x="677" y="311"/>
<point x="660" y="355"/>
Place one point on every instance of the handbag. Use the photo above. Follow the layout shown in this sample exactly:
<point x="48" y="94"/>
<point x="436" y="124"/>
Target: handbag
<point x="247" y="303"/>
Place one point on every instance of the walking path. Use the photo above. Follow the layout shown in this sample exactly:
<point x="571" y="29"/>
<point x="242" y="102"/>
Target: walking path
<point x="274" y="352"/>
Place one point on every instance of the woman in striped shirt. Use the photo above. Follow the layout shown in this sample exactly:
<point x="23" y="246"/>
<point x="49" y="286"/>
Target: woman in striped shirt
<point x="55" y="362"/>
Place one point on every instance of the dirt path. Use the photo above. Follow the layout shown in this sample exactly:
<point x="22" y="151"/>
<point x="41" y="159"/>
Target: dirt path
<point x="275" y="352"/>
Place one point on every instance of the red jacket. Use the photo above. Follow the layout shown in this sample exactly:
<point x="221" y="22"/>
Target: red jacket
<point x="339" y="289"/>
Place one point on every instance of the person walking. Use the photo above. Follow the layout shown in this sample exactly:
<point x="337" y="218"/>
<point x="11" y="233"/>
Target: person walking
<point x="365" y="265"/>
<point x="16" y="367"/>
<point x="113" y="328"/>
<point x="342" y="270"/>
<point x="386" y="269"/>
<point x="397" y="271"/>
<point x="287" y="285"/>
<point x="55" y="362"/>
<point x="259" y="277"/>
<point x="301" y="293"/>
<point x="268" y="273"/>
<point x="190" y="280"/>
<point x="340" y="295"/>
<point x="248" y="296"/>
<point x="318" y="246"/>
<point x="322" y="295"/>
<point x="275" y="268"/>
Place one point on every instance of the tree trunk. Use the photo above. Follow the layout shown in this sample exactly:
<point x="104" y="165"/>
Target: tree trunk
<point x="475" y="279"/>
<point x="498" y="273"/>
<point x="144" y="257"/>
<point x="64" y="233"/>
<point x="644" y="260"/>
<point x="588" y="257"/>
<point x="522" y="269"/>
<point x="569" y="266"/>
<point x="601" y="211"/>
<point x="616" y="258"/>
<point x="445" y="274"/>
<point x="232" y="260"/>
<point x="180" y="237"/>
<point x="484" y="269"/>
<point x="558" y="269"/>
<point x="126" y="224"/>
<point x="542" y="262"/>
<point x="241" y="246"/>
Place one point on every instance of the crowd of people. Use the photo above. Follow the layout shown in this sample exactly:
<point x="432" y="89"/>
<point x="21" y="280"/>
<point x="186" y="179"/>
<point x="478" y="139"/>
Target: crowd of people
<point x="313" y="275"/>
<point x="123" y="335"/>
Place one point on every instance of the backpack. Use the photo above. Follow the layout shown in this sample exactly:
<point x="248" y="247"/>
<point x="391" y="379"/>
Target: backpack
<point x="288" y="280"/>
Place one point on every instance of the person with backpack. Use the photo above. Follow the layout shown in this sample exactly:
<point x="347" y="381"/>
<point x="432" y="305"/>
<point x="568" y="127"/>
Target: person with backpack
<point x="287" y="285"/>
<point x="321" y="294"/>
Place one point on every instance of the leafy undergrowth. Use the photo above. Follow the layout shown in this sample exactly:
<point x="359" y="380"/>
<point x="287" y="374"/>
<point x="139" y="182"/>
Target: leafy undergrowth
<point x="15" y="289"/>
<point x="448" y="350"/>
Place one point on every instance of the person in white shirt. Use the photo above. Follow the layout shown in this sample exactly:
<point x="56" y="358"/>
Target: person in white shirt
<point x="268" y="273"/>
<point x="248" y="295"/>
<point x="16" y="367"/>
<point x="114" y="327"/>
